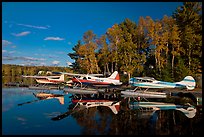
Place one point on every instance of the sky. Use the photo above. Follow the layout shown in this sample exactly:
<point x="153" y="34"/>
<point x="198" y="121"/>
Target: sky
<point x="43" y="33"/>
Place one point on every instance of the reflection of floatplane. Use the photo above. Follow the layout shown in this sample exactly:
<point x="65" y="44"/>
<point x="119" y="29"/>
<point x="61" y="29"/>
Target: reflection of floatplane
<point x="88" y="103"/>
<point x="50" y="96"/>
<point x="45" y="96"/>
<point x="81" y="103"/>
<point x="188" y="110"/>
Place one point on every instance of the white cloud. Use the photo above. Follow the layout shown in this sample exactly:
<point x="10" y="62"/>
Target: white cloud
<point x="53" y="38"/>
<point x="69" y="43"/>
<point x="31" y="63"/>
<point x="22" y="58"/>
<point x="13" y="46"/>
<point x="55" y="62"/>
<point x="36" y="27"/>
<point x="69" y="63"/>
<point x="21" y="34"/>
<point x="6" y="43"/>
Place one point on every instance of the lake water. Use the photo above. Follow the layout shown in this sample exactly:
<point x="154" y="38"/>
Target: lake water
<point x="35" y="118"/>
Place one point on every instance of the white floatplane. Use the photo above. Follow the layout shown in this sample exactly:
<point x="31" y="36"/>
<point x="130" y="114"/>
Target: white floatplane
<point x="148" y="82"/>
<point x="46" y="82"/>
<point x="93" y="80"/>
<point x="82" y="81"/>
<point x="47" y="79"/>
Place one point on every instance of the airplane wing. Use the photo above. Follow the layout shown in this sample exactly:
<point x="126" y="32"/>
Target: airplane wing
<point x="145" y="78"/>
<point x="96" y="74"/>
<point x="75" y="74"/>
<point x="35" y="76"/>
<point x="70" y="74"/>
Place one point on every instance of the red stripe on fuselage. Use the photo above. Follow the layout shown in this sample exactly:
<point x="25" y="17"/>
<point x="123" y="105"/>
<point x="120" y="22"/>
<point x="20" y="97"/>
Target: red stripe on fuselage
<point x="89" y="81"/>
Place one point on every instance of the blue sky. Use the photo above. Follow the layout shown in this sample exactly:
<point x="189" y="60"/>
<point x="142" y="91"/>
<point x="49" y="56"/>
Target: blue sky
<point x="43" y="33"/>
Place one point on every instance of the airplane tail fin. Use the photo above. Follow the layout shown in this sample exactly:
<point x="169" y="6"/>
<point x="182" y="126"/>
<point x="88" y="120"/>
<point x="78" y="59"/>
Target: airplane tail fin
<point x="189" y="82"/>
<point x="115" y="76"/>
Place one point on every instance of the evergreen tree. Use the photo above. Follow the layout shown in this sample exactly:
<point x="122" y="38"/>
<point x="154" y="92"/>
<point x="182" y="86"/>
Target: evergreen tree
<point x="75" y="56"/>
<point x="189" y="19"/>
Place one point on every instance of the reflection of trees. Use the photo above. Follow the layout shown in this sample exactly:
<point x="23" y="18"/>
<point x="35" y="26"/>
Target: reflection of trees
<point x="129" y="122"/>
<point x="171" y="122"/>
<point x="85" y="118"/>
<point x="102" y="121"/>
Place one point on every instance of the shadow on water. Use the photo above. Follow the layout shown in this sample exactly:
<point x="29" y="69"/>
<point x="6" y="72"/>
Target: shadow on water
<point x="100" y="120"/>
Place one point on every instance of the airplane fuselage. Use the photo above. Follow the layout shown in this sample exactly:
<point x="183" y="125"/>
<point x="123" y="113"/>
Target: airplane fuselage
<point x="48" y="81"/>
<point x="158" y="84"/>
<point x="95" y="81"/>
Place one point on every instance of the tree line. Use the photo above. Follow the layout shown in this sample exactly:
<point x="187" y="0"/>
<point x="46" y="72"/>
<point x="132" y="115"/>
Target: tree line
<point x="17" y="70"/>
<point x="167" y="48"/>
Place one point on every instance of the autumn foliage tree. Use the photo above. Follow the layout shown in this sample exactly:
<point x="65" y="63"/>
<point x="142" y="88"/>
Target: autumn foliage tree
<point x="86" y="52"/>
<point x="167" y="48"/>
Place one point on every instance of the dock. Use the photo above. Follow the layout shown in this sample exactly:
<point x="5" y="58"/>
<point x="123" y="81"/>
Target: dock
<point x="16" y="84"/>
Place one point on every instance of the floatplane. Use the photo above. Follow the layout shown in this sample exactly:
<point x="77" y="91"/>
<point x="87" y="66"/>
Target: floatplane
<point x="150" y="83"/>
<point x="46" y="80"/>
<point x="92" y="80"/>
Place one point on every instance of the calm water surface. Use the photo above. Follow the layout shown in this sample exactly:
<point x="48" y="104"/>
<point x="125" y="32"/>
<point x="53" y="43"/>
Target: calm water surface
<point x="34" y="118"/>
